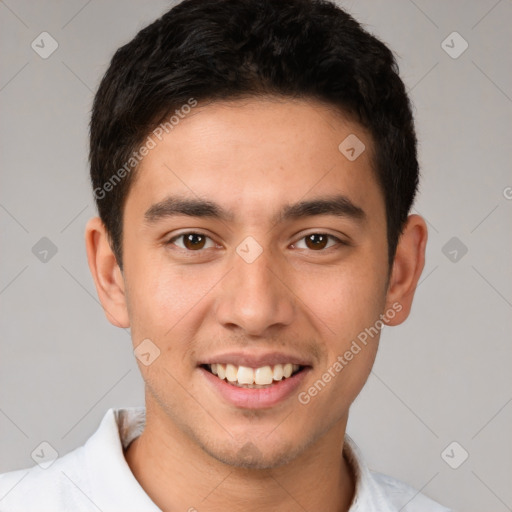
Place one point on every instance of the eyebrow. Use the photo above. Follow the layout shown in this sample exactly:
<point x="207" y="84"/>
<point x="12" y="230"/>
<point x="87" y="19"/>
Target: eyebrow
<point x="338" y="205"/>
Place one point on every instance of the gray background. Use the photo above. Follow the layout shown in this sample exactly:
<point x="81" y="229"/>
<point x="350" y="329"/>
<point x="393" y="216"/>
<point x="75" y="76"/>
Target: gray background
<point x="442" y="377"/>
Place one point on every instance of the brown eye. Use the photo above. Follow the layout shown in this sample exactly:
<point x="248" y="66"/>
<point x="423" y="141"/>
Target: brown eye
<point x="192" y="241"/>
<point x="318" y="242"/>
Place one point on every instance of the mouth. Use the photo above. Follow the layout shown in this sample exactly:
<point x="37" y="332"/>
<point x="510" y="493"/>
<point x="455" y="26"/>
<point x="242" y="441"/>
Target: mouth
<point x="257" y="380"/>
<point x="253" y="378"/>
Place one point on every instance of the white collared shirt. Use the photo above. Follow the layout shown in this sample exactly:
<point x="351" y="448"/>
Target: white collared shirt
<point x="96" y="477"/>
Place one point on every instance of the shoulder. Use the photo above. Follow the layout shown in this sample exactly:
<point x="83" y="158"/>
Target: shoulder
<point x="61" y="486"/>
<point x="403" y="496"/>
<point x="94" y="476"/>
<point x="377" y="492"/>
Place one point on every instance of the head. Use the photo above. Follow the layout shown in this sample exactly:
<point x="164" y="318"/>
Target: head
<point x="254" y="164"/>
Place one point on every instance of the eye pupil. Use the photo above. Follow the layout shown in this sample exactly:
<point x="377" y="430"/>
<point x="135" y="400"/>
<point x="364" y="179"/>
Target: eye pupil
<point x="316" y="241"/>
<point x="194" y="241"/>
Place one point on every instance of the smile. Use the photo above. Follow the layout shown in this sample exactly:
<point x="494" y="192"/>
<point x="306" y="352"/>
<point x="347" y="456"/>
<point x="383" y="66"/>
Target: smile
<point x="246" y="377"/>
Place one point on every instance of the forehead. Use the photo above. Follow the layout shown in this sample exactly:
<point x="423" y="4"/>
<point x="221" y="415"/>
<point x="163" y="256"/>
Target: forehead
<point x="252" y="154"/>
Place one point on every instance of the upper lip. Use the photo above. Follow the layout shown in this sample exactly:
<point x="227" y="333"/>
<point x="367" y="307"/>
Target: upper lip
<point x="253" y="360"/>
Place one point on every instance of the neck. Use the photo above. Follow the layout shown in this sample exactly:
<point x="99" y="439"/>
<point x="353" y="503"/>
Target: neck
<point x="178" y="475"/>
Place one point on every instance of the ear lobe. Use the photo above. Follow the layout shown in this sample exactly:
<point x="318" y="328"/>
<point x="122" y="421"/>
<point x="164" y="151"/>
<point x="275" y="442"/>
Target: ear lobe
<point x="407" y="268"/>
<point x="106" y="273"/>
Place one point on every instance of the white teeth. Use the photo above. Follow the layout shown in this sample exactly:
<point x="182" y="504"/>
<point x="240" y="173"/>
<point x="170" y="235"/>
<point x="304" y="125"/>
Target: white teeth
<point x="231" y="372"/>
<point x="253" y="377"/>
<point x="245" y="375"/>
<point x="263" y="375"/>
<point x="278" y="372"/>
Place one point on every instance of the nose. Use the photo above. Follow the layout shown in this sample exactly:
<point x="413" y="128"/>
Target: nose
<point x="254" y="297"/>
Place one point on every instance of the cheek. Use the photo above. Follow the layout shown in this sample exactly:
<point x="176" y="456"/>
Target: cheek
<point x="163" y="298"/>
<point x="344" y="300"/>
<point x="345" y="306"/>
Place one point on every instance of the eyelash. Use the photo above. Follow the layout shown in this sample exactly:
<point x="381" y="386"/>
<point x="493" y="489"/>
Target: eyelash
<point x="331" y="237"/>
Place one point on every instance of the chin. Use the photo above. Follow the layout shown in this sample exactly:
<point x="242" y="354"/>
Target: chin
<point x="255" y="455"/>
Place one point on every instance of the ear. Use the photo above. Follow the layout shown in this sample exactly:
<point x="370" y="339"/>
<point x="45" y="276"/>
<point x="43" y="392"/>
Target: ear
<point x="407" y="268"/>
<point x="106" y="273"/>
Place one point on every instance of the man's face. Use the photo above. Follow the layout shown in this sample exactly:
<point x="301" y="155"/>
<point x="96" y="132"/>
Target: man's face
<point x="253" y="280"/>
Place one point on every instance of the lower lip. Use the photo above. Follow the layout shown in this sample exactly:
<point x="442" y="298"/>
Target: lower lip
<point x="256" y="398"/>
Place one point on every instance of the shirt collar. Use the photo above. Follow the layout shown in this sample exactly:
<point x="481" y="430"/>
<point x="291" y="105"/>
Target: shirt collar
<point x="368" y="496"/>
<point x="113" y="485"/>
